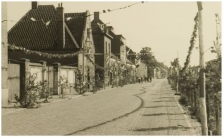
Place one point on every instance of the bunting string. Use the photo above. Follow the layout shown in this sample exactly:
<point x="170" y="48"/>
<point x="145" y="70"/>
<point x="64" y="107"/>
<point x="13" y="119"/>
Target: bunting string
<point x="69" y="18"/>
<point x="106" y="68"/>
<point x="111" y="10"/>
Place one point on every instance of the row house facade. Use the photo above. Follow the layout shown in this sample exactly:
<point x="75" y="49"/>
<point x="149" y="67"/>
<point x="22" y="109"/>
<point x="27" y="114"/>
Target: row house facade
<point x="102" y="41"/>
<point x="112" y="53"/>
<point x="125" y="56"/>
<point x="47" y="29"/>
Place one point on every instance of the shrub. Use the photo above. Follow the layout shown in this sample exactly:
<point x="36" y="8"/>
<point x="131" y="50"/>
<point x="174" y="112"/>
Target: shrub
<point x="31" y="93"/>
<point x="183" y="101"/>
<point x="45" y="92"/>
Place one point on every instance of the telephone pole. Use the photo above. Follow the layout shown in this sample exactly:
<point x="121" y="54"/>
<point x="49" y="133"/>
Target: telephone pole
<point x="202" y="101"/>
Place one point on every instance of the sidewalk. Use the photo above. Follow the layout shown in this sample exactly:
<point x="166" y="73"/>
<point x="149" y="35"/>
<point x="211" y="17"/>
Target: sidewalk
<point x="163" y="115"/>
<point x="13" y="107"/>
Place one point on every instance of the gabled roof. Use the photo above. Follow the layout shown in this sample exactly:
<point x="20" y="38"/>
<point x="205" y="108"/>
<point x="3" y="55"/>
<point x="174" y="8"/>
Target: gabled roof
<point x="120" y="36"/>
<point x="36" y="35"/>
<point x="103" y="29"/>
<point x="76" y="24"/>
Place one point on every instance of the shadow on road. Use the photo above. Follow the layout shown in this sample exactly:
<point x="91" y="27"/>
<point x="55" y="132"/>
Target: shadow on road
<point x="140" y="106"/>
<point x="162" y="128"/>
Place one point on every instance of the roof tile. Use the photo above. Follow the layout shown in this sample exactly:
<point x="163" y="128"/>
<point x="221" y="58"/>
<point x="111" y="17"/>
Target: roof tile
<point x="36" y="35"/>
<point x="76" y="25"/>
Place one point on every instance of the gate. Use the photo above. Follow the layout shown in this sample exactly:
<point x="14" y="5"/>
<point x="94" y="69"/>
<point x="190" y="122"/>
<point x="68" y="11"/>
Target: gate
<point x="68" y="73"/>
<point x="13" y="81"/>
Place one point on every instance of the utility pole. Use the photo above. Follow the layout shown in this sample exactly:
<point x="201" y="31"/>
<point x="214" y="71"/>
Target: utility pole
<point x="177" y="86"/>
<point x="202" y="101"/>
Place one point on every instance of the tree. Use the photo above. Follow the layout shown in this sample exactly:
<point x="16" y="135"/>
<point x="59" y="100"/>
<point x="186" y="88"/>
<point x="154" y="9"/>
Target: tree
<point x="149" y="59"/>
<point x="147" y="56"/>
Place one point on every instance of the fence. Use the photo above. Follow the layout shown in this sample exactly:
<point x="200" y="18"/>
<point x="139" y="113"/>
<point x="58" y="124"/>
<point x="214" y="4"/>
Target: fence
<point x="18" y="71"/>
<point x="190" y="94"/>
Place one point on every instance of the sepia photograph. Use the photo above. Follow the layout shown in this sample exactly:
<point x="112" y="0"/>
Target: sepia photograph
<point x="111" y="68"/>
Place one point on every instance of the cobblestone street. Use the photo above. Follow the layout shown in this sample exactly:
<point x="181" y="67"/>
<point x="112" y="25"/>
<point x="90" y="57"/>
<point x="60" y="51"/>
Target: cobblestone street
<point x="136" y="109"/>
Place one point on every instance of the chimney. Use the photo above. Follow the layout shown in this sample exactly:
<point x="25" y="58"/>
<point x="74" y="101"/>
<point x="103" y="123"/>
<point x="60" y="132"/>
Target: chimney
<point x="96" y="15"/>
<point x="60" y="27"/>
<point x="34" y="5"/>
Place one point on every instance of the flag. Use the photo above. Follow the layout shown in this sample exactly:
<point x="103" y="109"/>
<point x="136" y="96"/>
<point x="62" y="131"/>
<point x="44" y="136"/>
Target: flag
<point x="48" y="23"/>
<point x="199" y="5"/>
<point x="33" y="19"/>
<point x="68" y="18"/>
<point x="100" y="25"/>
<point x="128" y="52"/>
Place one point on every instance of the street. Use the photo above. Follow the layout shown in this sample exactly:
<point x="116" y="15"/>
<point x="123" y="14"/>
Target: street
<point x="135" y="109"/>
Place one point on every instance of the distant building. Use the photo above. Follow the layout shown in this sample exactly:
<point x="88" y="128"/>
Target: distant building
<point x="124" y="54"/>
<point x="141" y="71"/>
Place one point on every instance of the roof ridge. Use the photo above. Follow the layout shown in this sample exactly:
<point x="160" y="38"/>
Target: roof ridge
<point x="74" y="12"/>
<point x="46" y="5"/>
<point x="19" y="21"/>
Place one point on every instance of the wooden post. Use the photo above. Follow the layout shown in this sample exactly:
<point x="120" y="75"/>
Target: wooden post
<point x="43" y="70"/>
<point x="56" y="76"/>
<point x="203" y="112"/>
<point x="24" y="73"/>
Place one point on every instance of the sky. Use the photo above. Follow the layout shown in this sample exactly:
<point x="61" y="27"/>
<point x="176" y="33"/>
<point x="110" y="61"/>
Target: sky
<point x="165" y="27"/>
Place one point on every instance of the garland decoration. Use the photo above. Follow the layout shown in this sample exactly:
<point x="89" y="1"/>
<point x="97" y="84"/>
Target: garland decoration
<point x="192" y="42"/>
<point x="106" y="68"/>
<point x="43" y="54"/>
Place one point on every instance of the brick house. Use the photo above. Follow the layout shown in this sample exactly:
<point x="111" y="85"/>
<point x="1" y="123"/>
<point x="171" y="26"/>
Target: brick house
<point x="48" y="29"/>
<point x="102" y="40"/>
<point x="125" y="55"/>
<point x="111" y="49"/>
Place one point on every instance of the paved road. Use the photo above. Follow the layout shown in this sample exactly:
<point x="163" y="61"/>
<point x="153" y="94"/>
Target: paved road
<point x="136" y="109"/>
